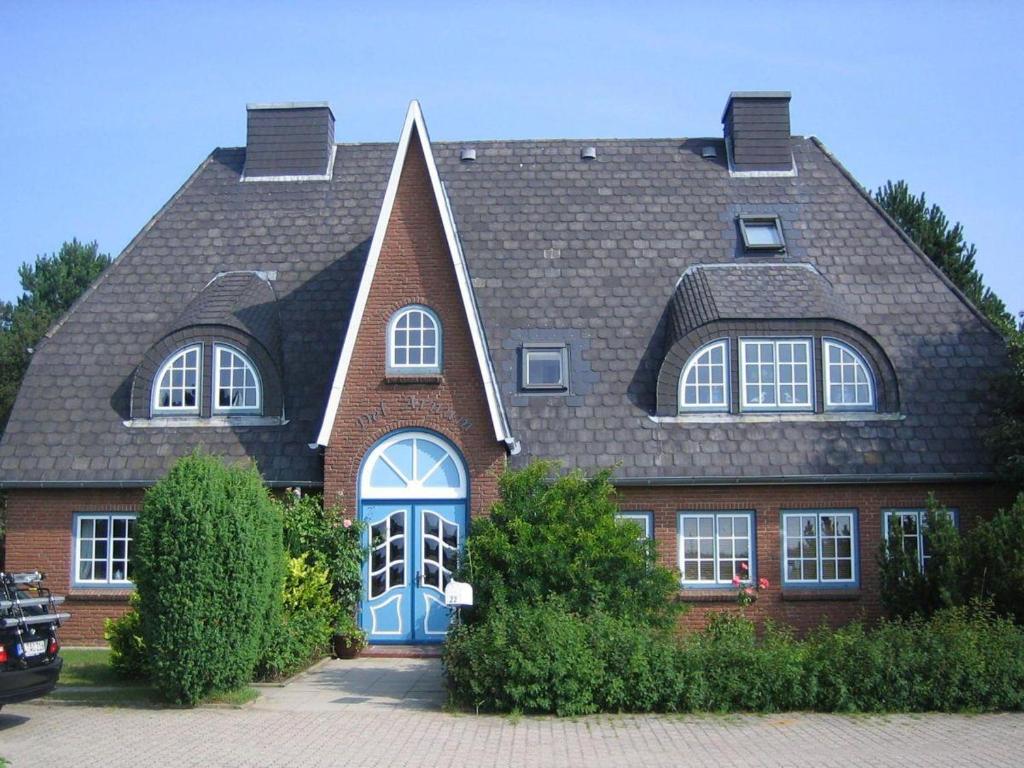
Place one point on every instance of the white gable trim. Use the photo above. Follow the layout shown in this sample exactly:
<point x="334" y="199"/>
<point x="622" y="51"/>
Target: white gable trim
<point x="414" y="119"/>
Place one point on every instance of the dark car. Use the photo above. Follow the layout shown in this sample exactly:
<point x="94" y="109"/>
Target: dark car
<point x="29" y="660"/>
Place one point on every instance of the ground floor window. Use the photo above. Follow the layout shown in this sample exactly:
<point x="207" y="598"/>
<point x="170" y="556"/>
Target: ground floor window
<point x="820" y="547"/>
<point x="103" y="548"/>
<point x="913" y="530"/>
<point x="643" y="520"/>
<point x="714" y="547"/>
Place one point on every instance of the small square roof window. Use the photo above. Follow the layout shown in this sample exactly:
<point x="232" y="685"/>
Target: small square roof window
<point x="545" y="368"/>
<point x="762" y="233"/>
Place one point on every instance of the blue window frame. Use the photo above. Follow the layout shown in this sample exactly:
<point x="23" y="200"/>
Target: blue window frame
<point x="915" y="530"/>
<point x="644" y="520"/>
<point x="714" y="546"/>
<point x="819" y="548"/>
<point x="103" y="547"/>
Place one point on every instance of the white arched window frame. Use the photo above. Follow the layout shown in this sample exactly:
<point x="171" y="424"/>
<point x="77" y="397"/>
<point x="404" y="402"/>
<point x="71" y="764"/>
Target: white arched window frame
<point x="414" y="341"/>
<point x="849" y="383"/>
<point x="413" y="465"/>
<point x="704" y="382"/>
<point x="178" y="381"/>
<point x="237" y="387"/>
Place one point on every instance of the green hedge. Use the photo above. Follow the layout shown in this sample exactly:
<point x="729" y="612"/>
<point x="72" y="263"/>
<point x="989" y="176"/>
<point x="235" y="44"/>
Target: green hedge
<point x="546" y="659"/>
<point x="209" y="573"/>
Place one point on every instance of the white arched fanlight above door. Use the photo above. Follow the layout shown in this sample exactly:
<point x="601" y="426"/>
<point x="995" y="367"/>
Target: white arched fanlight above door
<point x="413" y="465"/>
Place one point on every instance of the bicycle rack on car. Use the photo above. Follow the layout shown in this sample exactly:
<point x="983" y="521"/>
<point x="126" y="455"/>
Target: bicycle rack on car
<point x="42" y="609"/>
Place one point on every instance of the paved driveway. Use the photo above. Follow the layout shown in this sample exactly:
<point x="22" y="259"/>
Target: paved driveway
<point x="371" y="713"/>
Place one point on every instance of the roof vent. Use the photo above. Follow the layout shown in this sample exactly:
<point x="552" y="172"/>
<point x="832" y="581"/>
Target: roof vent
<point x="468" y="155"/>
<point x="292" y="140"/>
<point x="757" y="133"/>
<point x="708" y="151"/>
<point x="588" y="153"/>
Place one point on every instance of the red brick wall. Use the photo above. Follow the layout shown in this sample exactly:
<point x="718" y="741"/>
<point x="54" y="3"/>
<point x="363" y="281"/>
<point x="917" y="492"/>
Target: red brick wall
<point x="792" y="606"/>
<point x="39" y="538"/>
<point x="415" y="267"/>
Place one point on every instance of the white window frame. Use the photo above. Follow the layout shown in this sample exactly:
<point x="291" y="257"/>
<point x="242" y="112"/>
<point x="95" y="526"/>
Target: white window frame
<point x="156" y="408"/>
<point x="747" y="220"/>
<point x="420" y="368"/>
<point x="562" y="353"/>
<point x="414" y="488"/>
<point x="247" y="361"/>
<point x="858" y="360"/>
<point x="819" y="580"/>
<point x="76" y="538"/>
<point x="921" y="515"/>
<point x="643" y="519"/>
<point x="717" y="537"/>
<point x="695" y="361"/>
<point x="775" y="341"/>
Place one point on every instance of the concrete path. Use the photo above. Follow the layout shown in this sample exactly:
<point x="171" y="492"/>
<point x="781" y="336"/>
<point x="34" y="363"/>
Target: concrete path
<point x="388" y="712"/>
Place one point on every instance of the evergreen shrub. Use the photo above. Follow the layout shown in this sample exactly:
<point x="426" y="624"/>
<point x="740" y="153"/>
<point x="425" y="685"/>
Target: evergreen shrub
<point x="209" y="572"/>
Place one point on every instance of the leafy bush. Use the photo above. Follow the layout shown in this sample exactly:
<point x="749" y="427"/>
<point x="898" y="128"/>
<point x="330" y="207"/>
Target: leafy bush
<point x="905" y="589"/>
<point x="127" y="648"/>
<point x="326" y="539"/>
<point x="558" y="536"/>
<point x="995" y="555"/>
<point x="545" y="658"/>
<point x="209" y="569"/>
<point x="307" y="622"/>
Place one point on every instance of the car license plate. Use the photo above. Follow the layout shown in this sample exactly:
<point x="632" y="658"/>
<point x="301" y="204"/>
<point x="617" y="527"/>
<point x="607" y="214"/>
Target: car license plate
<point x="35" y="648"/>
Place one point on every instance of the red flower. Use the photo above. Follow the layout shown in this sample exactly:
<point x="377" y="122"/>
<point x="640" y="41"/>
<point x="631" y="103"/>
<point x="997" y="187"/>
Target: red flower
<point x="763" y="583"/>
<point x="743" y="567"/>
<point x="749" y="591"/>
<point x="735" y="581"/>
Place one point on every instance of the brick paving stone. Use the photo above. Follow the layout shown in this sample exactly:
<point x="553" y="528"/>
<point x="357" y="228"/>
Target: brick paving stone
<point x="372" y="713"/>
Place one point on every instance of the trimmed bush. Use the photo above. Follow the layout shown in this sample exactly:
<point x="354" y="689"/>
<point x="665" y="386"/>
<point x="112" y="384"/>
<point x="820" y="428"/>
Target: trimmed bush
<point x="307" y="622"/>
<point x="995" y="554"/>
<point x="547" y="659"/>
<point x="127" y="648"/>
<point x="557" y="536"/>
<point x="209" y="573"/>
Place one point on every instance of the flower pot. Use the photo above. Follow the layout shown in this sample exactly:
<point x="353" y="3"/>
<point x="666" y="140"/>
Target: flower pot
<point x="346" y="647"/>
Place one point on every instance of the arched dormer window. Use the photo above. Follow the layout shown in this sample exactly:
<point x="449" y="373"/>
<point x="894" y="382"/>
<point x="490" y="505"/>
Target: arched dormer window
<point x="177" y="382"/>
<point x="849" y="384"/>
<point x="704" y="382"/>
<point x="414" y="341"/>
<point x="236" y="383"/>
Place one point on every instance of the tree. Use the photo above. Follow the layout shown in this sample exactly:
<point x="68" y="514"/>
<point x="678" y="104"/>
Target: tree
<point x="50" y="286"/>
<point x="929" y="228"/>
<point x="1006" y="437"/>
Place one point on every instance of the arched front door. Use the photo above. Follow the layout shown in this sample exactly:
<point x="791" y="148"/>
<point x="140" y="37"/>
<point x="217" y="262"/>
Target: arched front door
<point x="412" y="492"/>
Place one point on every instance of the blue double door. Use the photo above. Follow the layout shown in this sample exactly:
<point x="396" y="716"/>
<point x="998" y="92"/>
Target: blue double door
<point x="414" y="549"/>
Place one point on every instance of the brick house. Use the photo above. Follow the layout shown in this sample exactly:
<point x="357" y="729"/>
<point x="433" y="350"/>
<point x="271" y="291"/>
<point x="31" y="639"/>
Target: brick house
<point x="771" y="367"/>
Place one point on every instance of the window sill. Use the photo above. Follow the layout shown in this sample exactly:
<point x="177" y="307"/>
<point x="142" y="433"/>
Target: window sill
<point x="724" y="595"/>
<point x="116" y="594"/>
<point x="411" y="378"/>
<point x="831" y="594"/>
<point x="172" y="422"/>
<point x="761" y="417"/>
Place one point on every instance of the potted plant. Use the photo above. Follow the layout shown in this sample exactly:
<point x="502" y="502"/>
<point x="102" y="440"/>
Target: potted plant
<point x="349" y="639"/>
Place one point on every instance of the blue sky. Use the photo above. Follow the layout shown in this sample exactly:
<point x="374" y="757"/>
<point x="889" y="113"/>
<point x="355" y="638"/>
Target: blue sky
<point x="106" y="108"/>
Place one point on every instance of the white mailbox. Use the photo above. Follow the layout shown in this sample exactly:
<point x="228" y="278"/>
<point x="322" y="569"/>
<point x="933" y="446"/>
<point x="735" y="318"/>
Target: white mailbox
<point x="458" y="594"/>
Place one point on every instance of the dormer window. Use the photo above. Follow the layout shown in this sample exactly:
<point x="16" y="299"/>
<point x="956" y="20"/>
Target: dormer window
<point x="177" y="389"/>
<point x="237" y="385"/>
<point x="545" y="368"/>
<point x="414" y="341"/>
<point x="704" y="384"/>
<point x="762" y="233"/>
<point x="776" y="374"/>
<point x="848" y="384"/>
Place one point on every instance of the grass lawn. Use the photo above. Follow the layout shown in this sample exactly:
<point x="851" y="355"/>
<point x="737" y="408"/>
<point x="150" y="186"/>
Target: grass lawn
<point x="88" y="679"/>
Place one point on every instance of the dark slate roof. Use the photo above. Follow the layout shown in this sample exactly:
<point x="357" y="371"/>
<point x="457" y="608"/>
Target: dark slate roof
<point x="555" y="245"/>
<point x="751" y="291"/>
<point x="244" y="300"/>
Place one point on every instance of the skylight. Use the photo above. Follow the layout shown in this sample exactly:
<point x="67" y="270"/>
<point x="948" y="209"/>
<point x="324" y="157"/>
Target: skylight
<point x="762" y="233"/>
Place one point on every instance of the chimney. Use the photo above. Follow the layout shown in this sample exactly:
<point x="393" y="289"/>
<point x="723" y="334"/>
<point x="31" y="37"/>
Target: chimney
<point x="289" y="140"/>
<point x="757" y="131"/>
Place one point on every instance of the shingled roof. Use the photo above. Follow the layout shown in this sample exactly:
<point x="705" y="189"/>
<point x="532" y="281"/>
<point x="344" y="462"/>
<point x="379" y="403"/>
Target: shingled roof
<point x="592" y="249"/>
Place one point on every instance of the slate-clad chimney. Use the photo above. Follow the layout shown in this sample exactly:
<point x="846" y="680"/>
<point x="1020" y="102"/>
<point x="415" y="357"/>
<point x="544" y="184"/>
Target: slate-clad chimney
<point x="757" y="131"/>
<point x="290" y="139"/>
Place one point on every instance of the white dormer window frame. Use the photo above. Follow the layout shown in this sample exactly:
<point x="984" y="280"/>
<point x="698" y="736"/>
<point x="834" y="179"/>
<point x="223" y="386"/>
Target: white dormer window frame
<point x="179" y="374"/>
<point x="753" y="225"/>
<point x="706" y="377"/>
<point x="415" y="343"/>
<point x="849" y="376"/>
<point x="776" y="374"/>
<point x="243" y="380"/>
